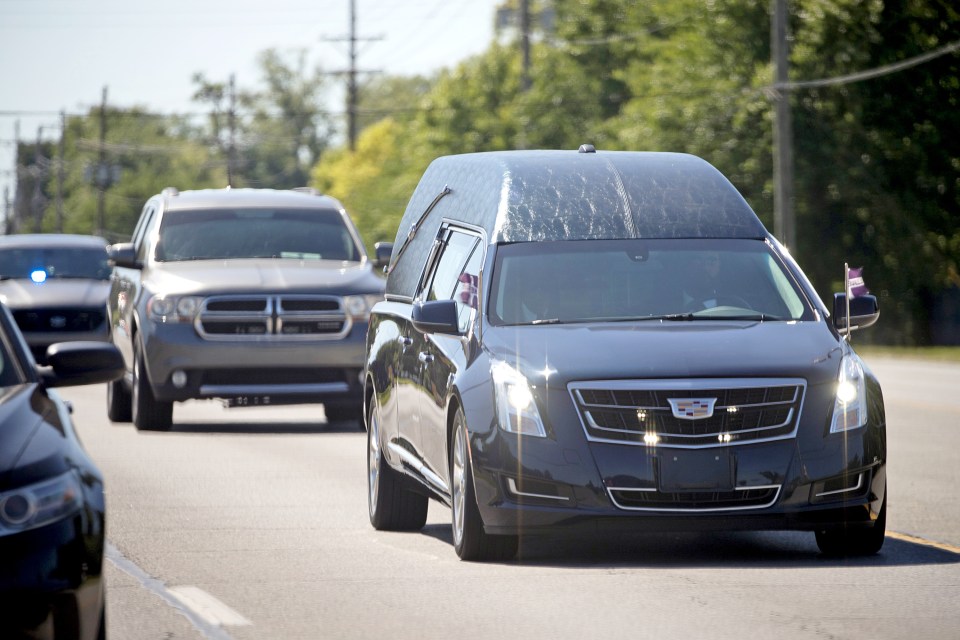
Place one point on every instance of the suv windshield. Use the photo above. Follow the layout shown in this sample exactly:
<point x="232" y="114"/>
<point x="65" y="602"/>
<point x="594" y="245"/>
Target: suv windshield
<point x="43" y="263"/>
<point x="671" y="279"/>
<point x="214" y="234"/>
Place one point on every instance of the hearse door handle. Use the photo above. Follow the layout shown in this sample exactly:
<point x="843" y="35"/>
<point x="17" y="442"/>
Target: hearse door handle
<point x="425" y="358"/>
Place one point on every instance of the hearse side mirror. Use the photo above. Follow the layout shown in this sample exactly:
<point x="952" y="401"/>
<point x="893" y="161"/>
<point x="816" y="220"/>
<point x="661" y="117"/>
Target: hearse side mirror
<point x="123" y="255"/>
<point x="383" y="250"/>
<point x="864" y="311"/>
<point x="436" y="316"/>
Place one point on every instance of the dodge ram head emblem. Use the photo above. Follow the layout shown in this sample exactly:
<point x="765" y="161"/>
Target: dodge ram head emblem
<point x="692" y="408"/>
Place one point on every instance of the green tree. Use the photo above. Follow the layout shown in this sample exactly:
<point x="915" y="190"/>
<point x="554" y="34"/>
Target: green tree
<point x="278" y="133"/>
<point x="374" y="182"/>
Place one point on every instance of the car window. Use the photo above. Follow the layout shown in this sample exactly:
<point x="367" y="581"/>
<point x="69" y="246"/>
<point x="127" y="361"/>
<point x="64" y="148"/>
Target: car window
<point x="208" y="234"/>
<point x="600" y="280"/>
<point x="44" y="263"/>
<point x="456" y="274"/>
<point x="449" y="266"/>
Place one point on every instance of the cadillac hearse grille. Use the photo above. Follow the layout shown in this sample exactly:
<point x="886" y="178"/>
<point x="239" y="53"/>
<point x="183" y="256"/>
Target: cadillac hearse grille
<point x="689" y="413"/>
<point x="278" y="317"/>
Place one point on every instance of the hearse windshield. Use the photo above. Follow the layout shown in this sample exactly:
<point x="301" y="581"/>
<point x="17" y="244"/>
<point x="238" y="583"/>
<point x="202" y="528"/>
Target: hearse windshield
<point x="633" y="280"/>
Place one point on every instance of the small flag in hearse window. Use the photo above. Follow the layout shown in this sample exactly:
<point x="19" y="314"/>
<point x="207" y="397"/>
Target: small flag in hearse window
<point x="468" y="289"/>
<point x="856" y="287"/>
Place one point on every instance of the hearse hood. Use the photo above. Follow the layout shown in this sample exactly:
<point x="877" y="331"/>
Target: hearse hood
<point x="655" y="350"/>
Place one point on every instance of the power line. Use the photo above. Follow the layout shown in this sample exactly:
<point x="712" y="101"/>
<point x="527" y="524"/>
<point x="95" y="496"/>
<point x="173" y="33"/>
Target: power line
<point x="869" y="74"/>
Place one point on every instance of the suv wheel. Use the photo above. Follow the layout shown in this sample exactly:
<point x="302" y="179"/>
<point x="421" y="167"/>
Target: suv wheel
<point x="148" y="413"/>
<point x="119" y="405"/>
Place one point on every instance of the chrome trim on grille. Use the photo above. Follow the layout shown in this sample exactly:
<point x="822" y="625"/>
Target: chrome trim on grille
<point x="765" y="505"/>
<point x="847" y="490"/>
<point x="264" y="318"/>
<point x="219" y="390"/>
<point x="646" y="403"/>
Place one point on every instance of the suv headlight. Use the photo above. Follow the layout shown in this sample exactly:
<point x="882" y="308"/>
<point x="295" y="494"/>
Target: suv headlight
<point x="359" y="307"/>
<point x="40" y="503"/>
<point x="516" y="406"/>
<point x="850" y="406"/>
<point x="162" y="308"/>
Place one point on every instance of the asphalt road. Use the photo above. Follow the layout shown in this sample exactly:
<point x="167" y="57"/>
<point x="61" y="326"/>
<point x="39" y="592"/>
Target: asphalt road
<point x="252" y="523"/>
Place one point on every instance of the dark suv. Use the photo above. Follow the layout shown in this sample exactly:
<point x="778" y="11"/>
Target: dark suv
<point x="253" y="296"/>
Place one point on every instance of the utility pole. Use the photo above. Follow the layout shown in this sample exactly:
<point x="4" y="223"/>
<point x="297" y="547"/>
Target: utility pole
<point x="37" y="202"/>
<point x="6" y="210"/>
<point x="13" y="221"/>
<point x="525" y="45"/>
<point x="784" y="224"/>
<point x="102" y="170"/>
<point x="61" y="160"/>
<point x="231" y="126"/>
<point x="351" y="73"/>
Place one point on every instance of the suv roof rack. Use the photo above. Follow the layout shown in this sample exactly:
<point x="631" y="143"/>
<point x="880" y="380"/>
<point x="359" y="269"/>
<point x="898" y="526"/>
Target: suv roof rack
<point x="308" y="190"/>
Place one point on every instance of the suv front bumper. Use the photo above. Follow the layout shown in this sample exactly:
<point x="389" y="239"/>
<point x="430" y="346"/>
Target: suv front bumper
<point x="253" y="371"/>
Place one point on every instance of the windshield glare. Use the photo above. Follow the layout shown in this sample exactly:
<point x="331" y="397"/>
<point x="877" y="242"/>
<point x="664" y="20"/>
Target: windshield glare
<point x="214" y="234"/>
<point x="44" y="263"/>
<point x="604" y="280"/>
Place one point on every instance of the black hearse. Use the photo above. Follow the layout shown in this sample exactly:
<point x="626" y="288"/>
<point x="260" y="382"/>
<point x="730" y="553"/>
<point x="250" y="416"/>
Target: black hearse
<point x="612" y="340"/>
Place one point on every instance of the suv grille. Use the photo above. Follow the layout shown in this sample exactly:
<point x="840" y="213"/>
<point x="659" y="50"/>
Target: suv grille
<point x="58" y="320"/>
<point x="640" y="412"/>
<point x="279" y="317"/>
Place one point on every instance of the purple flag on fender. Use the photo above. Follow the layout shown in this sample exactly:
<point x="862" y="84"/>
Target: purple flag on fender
<point x="855" y="284"/>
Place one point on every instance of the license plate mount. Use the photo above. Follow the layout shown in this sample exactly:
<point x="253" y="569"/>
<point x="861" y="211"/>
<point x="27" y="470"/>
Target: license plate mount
<point x="692" y="470"/>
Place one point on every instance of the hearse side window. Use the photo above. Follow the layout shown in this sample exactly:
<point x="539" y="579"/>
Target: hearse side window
<point x="455" y="274"/>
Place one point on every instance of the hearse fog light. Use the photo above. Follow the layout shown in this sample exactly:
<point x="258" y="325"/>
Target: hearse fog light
<point x="516" y="406"/>
<point x="850" y="406"/>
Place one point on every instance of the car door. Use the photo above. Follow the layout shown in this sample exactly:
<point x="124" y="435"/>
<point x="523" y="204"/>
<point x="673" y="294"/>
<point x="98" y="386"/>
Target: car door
<point x="125" y="287"/>
<point x="455" y="276"/>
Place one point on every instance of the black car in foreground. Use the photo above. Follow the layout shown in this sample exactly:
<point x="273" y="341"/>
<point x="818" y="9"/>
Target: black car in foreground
<point x="612" y="341"/>
<point x="56" y="286"/>
<point x="51" y="493"/>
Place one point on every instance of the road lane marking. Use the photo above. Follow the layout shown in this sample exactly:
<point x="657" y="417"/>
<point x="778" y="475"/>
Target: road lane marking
<point x="208" y="607"/>
<point x="942" y="546"/>
<point x="209" y="630"/>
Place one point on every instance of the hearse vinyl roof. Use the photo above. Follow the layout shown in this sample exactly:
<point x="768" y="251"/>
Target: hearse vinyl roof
<point x="536" y="196"/>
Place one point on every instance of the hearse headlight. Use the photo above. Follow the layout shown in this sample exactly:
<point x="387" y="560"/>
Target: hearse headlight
<point x="850" y="406"/>
<point x="173" y="308"/>
<point x="516" y="406"/>
<point x="358" y="307"/>
<point x="40" y="503"/>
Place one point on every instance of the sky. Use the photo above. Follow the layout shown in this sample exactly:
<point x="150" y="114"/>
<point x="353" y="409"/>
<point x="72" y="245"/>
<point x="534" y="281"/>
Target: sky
<point x="59" y="54"/>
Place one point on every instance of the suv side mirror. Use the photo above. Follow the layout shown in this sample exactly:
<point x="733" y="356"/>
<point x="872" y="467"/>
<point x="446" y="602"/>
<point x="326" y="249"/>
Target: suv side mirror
<point x="123" y="255"/>
<point x="383" y="252"/>
<point x="864" y="311"/>
<point x="436" y="316"/>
